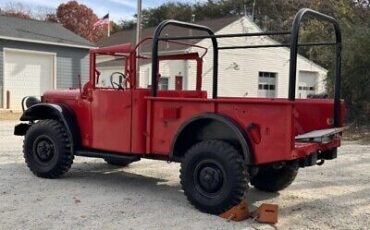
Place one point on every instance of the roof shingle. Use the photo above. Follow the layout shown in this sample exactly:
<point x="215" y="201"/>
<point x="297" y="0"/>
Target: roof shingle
<point x="129" y="36"/>
<point x="39" y="31"/>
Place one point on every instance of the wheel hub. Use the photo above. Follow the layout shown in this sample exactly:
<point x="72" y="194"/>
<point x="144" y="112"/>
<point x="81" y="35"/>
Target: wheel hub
<point x="44" y="149"/>
<point x="210" y="178"/>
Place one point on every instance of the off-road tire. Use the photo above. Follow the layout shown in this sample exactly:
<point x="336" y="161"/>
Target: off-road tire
<point x="118" y="162"/>
<point x="47" y="149"/>
<point x="272" y="179"/>
<point x="229" y="167"/>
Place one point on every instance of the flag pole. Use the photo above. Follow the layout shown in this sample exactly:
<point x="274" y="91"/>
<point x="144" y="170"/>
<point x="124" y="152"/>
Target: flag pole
<point x="138" y="21"/>
<point x="138" y="35"/>
<point x="108" y="25"/>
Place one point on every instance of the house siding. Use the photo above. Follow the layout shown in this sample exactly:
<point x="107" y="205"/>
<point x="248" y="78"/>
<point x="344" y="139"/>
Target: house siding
<point x="243" y="81"/>
<point x="168" y="69"/>
<point x="70" y="62"/>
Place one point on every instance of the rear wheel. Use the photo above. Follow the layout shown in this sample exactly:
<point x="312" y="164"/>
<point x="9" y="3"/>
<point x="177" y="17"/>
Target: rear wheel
<point x="213" y="176"/>
<point x="272" y="179"/>
<point x="47" y="149"/>
<point x="118" y="162"/>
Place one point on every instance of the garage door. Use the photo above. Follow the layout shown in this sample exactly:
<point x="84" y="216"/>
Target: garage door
<point x="26" y="74"/>
<point x="307" y="83"/>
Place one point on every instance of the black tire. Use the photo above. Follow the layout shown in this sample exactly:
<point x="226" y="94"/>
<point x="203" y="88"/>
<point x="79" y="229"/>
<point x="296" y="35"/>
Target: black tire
<point x="272" y="179"/>
<point x="118" y="162"/>
<point x="47" y="149"/>
<point x="214" y="176"/>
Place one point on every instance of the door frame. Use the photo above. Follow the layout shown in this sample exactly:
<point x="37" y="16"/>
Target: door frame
<point x="52" y="54"/>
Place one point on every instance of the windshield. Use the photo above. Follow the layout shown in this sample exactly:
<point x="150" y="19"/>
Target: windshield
<point x="110" y="70"/>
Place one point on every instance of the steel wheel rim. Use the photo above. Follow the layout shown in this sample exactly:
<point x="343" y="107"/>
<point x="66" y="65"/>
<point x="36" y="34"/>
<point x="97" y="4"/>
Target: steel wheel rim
<point x="43" y="149"/>
<point x="209" y="178"/>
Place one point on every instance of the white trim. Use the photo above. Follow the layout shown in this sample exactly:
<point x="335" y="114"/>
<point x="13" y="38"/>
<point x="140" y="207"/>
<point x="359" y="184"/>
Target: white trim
<point x="29" y="51"/>
<point x="46" y="42"/>
<point x="53" y="55"/>
<point x="4" y="94"/>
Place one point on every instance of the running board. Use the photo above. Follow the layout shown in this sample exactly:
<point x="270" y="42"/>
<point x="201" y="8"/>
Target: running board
<point x="102" y="154"/>
<point x="319" y="136"/>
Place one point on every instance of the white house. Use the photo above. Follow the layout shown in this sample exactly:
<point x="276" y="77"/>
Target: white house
<point x="261" y="72"/>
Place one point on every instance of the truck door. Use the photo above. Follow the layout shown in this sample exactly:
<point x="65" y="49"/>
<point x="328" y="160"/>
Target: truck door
<point x="111" y="118"/>
<point x="111" y="105"/>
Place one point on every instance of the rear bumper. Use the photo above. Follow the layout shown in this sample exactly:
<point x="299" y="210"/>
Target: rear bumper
<point x="310" y="154"/>
<point x="303" y="149"/>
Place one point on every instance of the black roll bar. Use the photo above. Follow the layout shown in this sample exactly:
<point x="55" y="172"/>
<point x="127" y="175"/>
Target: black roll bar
<point x="294" y="53"/>
<point x="157" y="38"/>
<point x="276" y="45"/>
<point x="228" y="35"/>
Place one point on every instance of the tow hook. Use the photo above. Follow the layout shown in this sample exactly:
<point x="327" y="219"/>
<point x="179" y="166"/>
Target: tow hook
<point x="320" y="162"/>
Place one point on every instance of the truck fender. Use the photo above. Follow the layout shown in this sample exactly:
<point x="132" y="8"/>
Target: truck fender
<point x="42" y="111"/>
<point x="210" y="126"/>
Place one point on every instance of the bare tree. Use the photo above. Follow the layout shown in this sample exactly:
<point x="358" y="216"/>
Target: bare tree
<point x="44" y="14"/>
<point x="16" y="9"/>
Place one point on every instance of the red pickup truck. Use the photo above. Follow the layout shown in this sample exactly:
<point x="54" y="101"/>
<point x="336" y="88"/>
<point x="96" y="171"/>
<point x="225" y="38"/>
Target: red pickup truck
<point x="222" y="143"/>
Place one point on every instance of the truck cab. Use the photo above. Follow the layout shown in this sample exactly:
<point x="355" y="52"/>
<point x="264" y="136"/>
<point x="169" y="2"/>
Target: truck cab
<point x="221" y="143"/>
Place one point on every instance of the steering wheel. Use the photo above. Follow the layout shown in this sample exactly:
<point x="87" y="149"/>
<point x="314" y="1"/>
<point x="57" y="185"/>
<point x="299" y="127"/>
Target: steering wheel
<point x="121" y="80"/>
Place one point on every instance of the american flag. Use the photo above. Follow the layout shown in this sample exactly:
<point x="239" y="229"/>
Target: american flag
<point x="104" y="20"/>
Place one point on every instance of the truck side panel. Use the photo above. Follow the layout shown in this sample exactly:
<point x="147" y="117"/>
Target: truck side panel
<point x="273" y="119"/>
<point x="272" y="122"/>
<point x="167" y="117"/>
<point x="141" y="114"/>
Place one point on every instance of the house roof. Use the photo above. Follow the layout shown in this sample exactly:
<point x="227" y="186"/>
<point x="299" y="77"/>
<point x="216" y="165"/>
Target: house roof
<point x="129" y="36"/>
<point x="34" y="31"/>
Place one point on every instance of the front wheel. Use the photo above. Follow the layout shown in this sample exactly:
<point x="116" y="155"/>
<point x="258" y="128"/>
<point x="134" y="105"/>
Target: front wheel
<point x="272" y="179"/>
<point x="47" y="149"/>
<point x="213" y="176"/>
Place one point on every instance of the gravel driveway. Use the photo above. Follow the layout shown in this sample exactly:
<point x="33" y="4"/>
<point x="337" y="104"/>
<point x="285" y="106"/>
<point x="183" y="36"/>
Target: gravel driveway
<point x="147" y="195"/>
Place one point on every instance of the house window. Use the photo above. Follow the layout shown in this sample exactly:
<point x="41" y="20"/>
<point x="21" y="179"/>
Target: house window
<point x="163" y="83"/>
<point x="266" y="84"/>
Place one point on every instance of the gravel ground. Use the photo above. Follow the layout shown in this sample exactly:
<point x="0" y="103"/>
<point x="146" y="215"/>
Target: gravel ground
<point x="147" y="195"/>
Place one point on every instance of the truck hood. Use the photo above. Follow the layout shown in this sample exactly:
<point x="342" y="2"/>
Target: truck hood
<point x="69" y="94"/>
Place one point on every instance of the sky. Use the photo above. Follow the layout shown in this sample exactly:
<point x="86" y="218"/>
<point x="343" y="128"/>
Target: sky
<point x="118" y="9"/>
